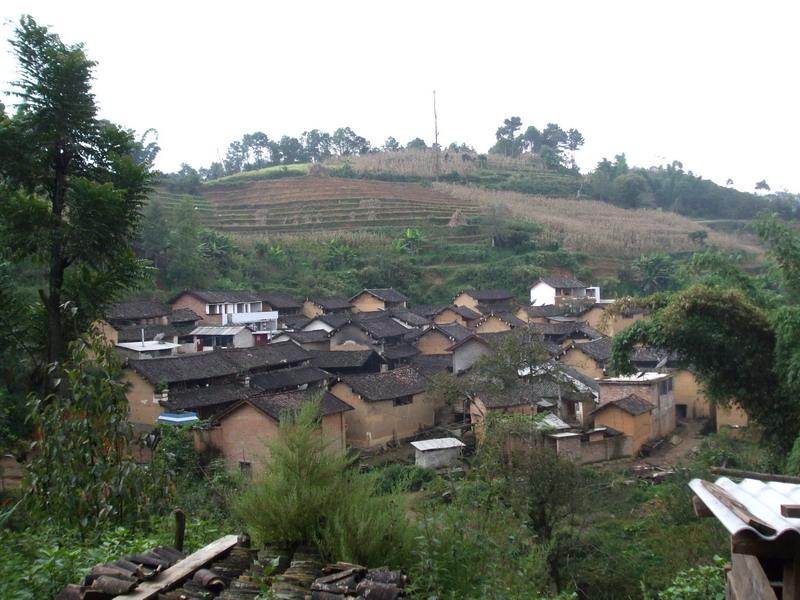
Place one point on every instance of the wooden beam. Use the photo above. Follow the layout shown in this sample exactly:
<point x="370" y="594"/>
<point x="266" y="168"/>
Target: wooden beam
<point x="738" y="473"/>
<point x="181" y="570"/>
<point x="747" y="580"/>
<point x="700" y="508"/>
<point x="791" y="579"/>
<point x="784" y="548"/>
<point x="790" y="510"/>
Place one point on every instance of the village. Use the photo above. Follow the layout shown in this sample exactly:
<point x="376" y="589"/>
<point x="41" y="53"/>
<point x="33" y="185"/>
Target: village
<point x="238" y="360"/>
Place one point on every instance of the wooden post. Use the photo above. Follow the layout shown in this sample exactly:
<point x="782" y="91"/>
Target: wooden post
<point x="180" y="528"/>
<point x="791" y="579"/>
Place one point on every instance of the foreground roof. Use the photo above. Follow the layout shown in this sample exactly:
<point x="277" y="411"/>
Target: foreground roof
<point x="185" y="367"/>
<point x="271" y="355"/>
<point x="277" y="405"/>
<point x="133" y="333"/>
<point x="387" y="385"/>
<point x="437" y="444"/>
<point x="207" y="396"/>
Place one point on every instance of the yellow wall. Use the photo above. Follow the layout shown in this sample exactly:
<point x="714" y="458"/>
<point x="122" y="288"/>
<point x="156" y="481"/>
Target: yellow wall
<point x="731" y="416"/>
<point x="376" y="423"/>
<point x="689" y="392"/>
<point x="141" y="402"/>
<point x="433" y="342"/>
<point x="478" y="412"/>
<point x="593" y="316"/>
<point x="618" y="323"/>
<point x="492" y="325"/>
<point x="448" y="316"/>
<point x="311" y="310"/>
<point x="466" y="300"/>
<point x="638" y="427"/>
<point x="365" y="302"/>
<point x="107" y="331"/>
<point x="582" y="363"/>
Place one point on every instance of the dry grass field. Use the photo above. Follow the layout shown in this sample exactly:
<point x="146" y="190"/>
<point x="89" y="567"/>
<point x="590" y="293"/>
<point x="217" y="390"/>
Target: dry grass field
<point x="600" y="229"/>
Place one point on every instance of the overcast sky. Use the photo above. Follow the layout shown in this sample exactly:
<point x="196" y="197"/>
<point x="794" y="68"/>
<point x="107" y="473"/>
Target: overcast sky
<point x="713" y="84"/>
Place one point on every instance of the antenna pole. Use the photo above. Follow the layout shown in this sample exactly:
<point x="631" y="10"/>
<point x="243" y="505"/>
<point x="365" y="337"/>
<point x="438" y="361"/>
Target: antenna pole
<point x="436" y="135"/>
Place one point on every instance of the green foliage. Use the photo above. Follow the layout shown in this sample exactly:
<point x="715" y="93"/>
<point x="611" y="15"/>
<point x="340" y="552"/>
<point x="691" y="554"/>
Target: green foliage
<point x="83" y="429"/>
<point x="401" y="478"/>
<point x="706" y="582"/>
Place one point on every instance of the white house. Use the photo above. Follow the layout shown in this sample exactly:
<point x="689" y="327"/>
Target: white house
<point x="554" y="290"/>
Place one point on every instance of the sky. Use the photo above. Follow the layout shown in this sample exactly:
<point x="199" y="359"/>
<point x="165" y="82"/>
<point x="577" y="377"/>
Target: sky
<point x="712" y="84"/>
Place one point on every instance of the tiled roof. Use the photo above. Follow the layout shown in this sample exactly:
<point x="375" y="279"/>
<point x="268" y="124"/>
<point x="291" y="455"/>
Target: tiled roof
<point x="522" y="393"/>
<point x="400" y="351"/>
<point x="279" y="301"/>
<point x="183" y="315"/>
<point x="132" y="311"/>
<point x="381" y="328"/>
<point x="284" y="378"/>
<point x="632" y="404"/>
<point x="221" y="296"/>
<point x="335" y="320"/>
<point x="133" y="333"/>
<point x="385" y="294"/>
<point x="453" y="331"/>
<point x="341" y="359"/>
<point x="599" y="349"/>
<point x="271" y="355"/>
<point x="428" y="310"/>
<point x="212" y="395"/>
<point x="293" y="321"/>
<point x="330" y="302"/>
<point x="506" y="317"/>
<point x="307" y="337"/>
<point x="387" y="385"/>
<point x="408" y="317"/>
<point x="185" y="367"/>
<point x="275" y="405"/>
<point x="464" y="311"/>
<point x="430" y="364"/>
<point x="561" y="282"/>
<point x="493" y="295"/>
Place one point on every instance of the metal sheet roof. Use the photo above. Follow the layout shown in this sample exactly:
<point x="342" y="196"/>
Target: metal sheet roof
<point x="177" y="418"/>
<point x="757" y="501"/>
<point x="437" y="444"/>
<point x="148" y="346"/>
<point x="217" y="330"/>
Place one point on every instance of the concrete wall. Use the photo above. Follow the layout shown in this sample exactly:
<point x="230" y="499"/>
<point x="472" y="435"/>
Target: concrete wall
<point x="142" y="405"/>
<point x="433" y="459"/>
<point x="467" y="354"/>
<point x="365" y="302"/>
<point x="376" y="423"/>
<point x="582" y="363"/>
<point x="542" y="294"/>
<point x="492" y="325"/>
<point x="433" y="342"/>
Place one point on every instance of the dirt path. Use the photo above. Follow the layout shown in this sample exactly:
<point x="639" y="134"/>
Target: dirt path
<point x="688" y="438"/>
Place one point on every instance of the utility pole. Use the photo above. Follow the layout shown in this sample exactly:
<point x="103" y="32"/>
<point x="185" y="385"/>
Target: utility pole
<point x="436" y="136"/>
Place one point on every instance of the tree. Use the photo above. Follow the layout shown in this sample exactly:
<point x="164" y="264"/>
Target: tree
<point x="417" y="144"/>
<point x="391" y="145"/>
<point x="532" y="140"/>
<point x="73" y="190"/>
<point x="317" y="144"/>
<point x="345" y="142"/>
<point x="505" y="134"/>
<point x="762" y="185"/>
<point x="654" y="272"/>
<point x="629" y="190"/>
<point x="184" y="267"/>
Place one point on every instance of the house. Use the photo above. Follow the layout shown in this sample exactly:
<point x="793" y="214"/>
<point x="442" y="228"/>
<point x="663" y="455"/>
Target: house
<point x="632" y="415"/>
<point x="142" y="312"/>
<point x="213" y="305"/>
<point x="283" y="304"/>
<point x="260" y="359"/>
<point x="292" y="378"/>
<point x="655" y="389"/>
<point x="555" y="290"/>
<point x="437" y="339"/>
<point x="523" y="398"/>
<point x="208" y="337"/>
<point x="494" y="322"/>
<point x="387" y="407"/>
<point x="373" y="299"/>
<point x="485" y="300"/>
<point x="316" y="339"/>
<point x="243" y="432"/>
<point x="373" y="332"/>
<point x="314" y="306"/>
<point x="207" y="401"/>
<point x="441" y="452"/>
<point x="327" y="322"/>
<point x="347" y="363"/>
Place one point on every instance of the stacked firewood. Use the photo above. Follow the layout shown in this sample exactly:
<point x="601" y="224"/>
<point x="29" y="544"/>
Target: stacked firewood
<point x="121" y="576"/>
<point x="345" y="581"/>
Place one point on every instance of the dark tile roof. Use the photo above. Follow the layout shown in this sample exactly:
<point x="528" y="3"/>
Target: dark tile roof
<point x="184" y="367"/>
<point x="221" y="296"/>
<point x="493" y="295"/>
<point x="584" y="379"/>
<point x="381" y="328"/>
<point x="184" y="315"/>
<point x="561" y="282"/>
<point x="287" y="378"/>
<point x="374" y="387"/>
<point x="453" y="331"/>
<point x="293" y="321"/>
<point x="276" y="405"/>
<point x="335" y="320"/>
<point x="566" y="329"/>
<point x="522" y="393"/>
<point x="271" y="355"/>
<point x="464" y="311"/>
<point x="341" y="359"/>
<point x="408" y="317"/>
<point x="133" y="333"/>
<point x="507" y="317"/>
<point x="280" y="301"/>
<point x="430" y="364"/>
<point x="633" y="405"/>
<point x="599" y="349"/>
<point x="133" y="311"/>
<point x="565" y="309"/>
<point x="385" y="294"/>
<point x="400" y="351"/>
<point x="206" y="396"/>
<point x="330" y="302"/>
<point x="428" y="310"/>
<point x="307" y="337"/>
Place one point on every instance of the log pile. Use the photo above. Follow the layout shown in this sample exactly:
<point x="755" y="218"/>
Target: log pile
<point x="121" y="576"/>
<point x="347" y="581"/>
<point x="221" y="579"/>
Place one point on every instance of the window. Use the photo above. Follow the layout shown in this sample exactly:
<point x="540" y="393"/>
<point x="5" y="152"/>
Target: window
<point x="241" y="307"/>
<point x="403" y="400"/>
<point x="212" y="309"/>
<point x="246" y="468"/>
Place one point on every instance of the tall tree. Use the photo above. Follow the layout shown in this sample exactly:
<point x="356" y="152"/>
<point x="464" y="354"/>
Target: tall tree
<point x="72" y="187"/>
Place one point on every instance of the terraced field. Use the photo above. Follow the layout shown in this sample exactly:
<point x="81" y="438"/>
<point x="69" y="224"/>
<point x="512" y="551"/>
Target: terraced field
<point x="310" y="204"/>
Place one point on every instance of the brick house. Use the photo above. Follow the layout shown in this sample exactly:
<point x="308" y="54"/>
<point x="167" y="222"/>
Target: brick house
<point x="442" y="314"/>
<point x="632" y="415"/>
<point x="438" y="339"/>
<point x="484" y="301"/>
<point x="374" y="299"/>
<point x="314" y="306"/>
<point x="387" y="407"/>
<point x="494" y="322"/>
<point x="213" y="305"/>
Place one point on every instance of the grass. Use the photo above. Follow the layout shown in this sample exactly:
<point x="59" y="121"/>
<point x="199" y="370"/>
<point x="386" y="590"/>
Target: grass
<point x="273" y="172"/>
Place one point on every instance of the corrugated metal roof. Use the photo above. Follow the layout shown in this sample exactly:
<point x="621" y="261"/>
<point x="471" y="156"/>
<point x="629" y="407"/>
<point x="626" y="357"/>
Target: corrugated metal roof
<point x="642" y="377"/>
<point x="551" y="420"/>
<point x="437" y="444"/>
<point x="217" y="330"/>
<point x="177" y="418"/>
<point x="732" y="503"/>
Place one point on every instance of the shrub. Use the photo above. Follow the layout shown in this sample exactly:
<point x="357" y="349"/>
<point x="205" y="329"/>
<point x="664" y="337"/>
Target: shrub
<point x="401" y="478"/>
